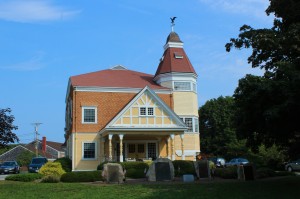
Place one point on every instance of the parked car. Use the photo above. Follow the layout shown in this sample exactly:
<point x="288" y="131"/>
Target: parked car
<point x="36" y="164"/>
<point x="293" y="166"/>
<point x="218" y="161"/>
<point x="236" y="162"/>
<point x="9" y="167"/>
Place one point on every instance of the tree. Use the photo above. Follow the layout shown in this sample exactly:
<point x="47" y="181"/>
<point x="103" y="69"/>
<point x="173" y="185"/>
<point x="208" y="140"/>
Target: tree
<point x="6" y="127"/>
<point x="269" y="105"/>
<point x="217" y="125"/>
<point x="25" y="158"/>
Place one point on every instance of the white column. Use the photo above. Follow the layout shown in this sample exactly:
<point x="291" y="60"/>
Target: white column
<point x="182" y="147"/>
<point x="121" y="147"/>
<point x="110" y="147"/>
<point x="172" y="136"/>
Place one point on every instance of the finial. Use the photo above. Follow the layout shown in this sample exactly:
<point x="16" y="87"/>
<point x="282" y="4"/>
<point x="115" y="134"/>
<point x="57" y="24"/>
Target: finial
<point x="173" y="23"/>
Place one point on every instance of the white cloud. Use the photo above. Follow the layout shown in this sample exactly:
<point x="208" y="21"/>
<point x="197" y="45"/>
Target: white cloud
<point x="33" y="64"/>
<point x="33" y="11"/>
<point x="254" y="8"/>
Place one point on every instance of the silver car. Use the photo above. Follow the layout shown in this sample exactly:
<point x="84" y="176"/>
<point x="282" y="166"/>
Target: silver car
<point x="236" y="162"/>
<point x="293" y="166"/>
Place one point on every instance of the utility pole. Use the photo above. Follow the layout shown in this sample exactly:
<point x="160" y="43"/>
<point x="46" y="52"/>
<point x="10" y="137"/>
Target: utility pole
<point x="36" y="134"/>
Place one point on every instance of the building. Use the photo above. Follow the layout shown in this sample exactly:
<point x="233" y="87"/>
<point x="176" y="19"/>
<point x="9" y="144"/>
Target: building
<point x="50" y="150"/>
<point x="123" y="115"/>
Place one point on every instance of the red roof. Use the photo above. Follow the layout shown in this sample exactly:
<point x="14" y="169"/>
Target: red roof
<point x="115" y="78"/>
<point x="175" y="60"/>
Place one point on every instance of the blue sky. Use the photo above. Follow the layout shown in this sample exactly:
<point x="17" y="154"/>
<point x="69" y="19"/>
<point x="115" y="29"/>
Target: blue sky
<point x="44" y="42"/>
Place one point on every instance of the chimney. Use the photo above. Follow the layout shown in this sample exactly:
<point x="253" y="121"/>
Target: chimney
<point x="44" y="145"/>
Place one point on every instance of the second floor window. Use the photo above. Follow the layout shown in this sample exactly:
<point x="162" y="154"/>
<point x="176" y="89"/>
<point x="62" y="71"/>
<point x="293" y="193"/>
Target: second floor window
<point x="89" y="115"/>
<point x="146" y="111"/>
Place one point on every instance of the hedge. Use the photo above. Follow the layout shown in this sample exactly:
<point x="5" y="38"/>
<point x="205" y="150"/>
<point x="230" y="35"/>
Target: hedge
<point x="24" y="177"/>
<point x="182" y="167"/>
<point x="226" y="173"/>
<point x="82" y="176"/>
<point x="66" y="163"/>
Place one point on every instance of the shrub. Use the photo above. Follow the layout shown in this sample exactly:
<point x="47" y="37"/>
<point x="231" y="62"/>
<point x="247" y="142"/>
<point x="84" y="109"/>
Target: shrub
<point x="264" y="172"/>
<point x="51" y="169"/>
<point x="135" y="173"/>
<point x="50" y="179"/>
<point x="182" y="167"/>
<point x="24" y="177"/>
<point x="66" y="163"/>
<point x="82" y="176"/>
<point x="135" y="165"/>
<point x="24" y="158"/>
<point x="226" y="173"/>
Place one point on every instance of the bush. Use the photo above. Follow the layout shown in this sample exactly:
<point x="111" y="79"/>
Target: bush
<point x="135" y="173"/>
<point x="135" y="165"/>
<point x="182" y="167"/>
<point x="226" y="173"/>
<point x="82" y="176"/>
<point x="24" y="158"/>
<point x="265" y="173"/>
<point x="24" y="177"/>
<point x="50" y="179"/>
<point x="66" y="163"/>
<point x="52" y="169"/>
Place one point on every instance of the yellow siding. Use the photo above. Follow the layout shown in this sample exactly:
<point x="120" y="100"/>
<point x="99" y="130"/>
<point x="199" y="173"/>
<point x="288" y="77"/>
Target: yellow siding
<point x="79" y="163"/>
<point x="126" y="120"/>
<point x="185" y="103"/>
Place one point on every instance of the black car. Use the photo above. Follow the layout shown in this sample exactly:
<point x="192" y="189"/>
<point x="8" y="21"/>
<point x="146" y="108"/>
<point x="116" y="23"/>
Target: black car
<point x="9" y="167"/>
<point x="36" y="164"/>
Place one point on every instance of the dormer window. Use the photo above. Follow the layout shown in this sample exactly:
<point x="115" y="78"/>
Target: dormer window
<point x="178" y="56"/>
<point x="146" y="111"/>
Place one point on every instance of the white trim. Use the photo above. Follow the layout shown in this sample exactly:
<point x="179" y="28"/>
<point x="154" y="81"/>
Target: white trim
<point x="117" y="89"/>
<point x="82" y="150"/>
<point x="179" y="127"/>
<point x="186" y="152"/>
<point x="73" y="150"/>
<point x="176" y="76"/>
<point x="173" y="45"/>
<point x="82" y="114"/>
<point x="14" y="149"/>
<point x="85" y="133"/>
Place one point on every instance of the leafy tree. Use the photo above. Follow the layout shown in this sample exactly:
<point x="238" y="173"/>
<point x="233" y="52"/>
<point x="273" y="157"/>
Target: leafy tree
<point x="269" y="106"/>
<point x="24" y="158"/>
<point x="216" y="125"/>
<point x="6" y="127"/>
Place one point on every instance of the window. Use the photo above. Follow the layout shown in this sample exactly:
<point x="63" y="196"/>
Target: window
<point x="89" y="150"/>
<point x="194" y="88"/>
<point x="182" y="86"/>
<point x="189" y="123"/>
<point x="143" y="111"/>
<point x="146" y="111"/>
<point x="150" y="110"/>
<point x="131" y="148"/>
<point x="192" y="123"/>
<point x="141" y="148"/>
<point x="89" y="115"/>
<point x="178" y="55"/>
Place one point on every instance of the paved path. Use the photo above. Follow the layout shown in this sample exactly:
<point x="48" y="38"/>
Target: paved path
<point x="2" y="177"/>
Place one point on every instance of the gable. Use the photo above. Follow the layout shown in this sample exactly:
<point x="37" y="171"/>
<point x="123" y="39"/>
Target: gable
<point x="146" y="110"/>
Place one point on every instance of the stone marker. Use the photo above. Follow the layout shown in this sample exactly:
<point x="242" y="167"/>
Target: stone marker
<point x="246" y="172"/>
<point x="161" y="169"/>
<point x="202" y="169"/>
<point x="113" y="173"/>
<point x="188" y="178"/>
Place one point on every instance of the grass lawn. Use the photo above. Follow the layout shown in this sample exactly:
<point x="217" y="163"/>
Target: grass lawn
<point x="288" y="187"/>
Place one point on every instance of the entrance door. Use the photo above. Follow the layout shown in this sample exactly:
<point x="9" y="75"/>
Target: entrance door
<point x="152" y="151"/>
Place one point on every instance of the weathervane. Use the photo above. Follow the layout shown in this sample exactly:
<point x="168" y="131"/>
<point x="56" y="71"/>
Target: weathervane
<point x="173" y="23"/>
